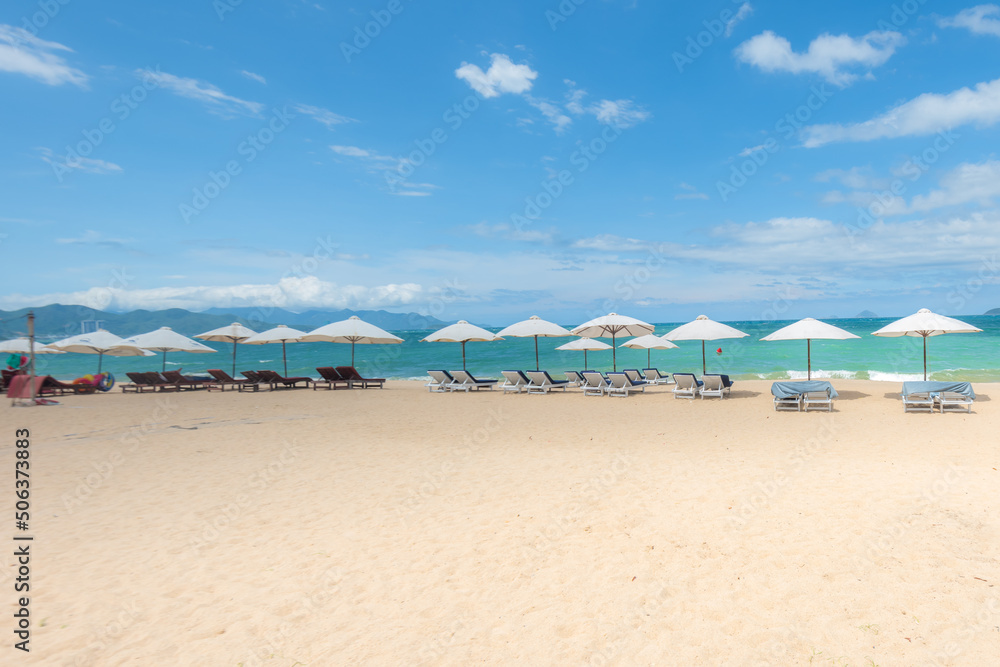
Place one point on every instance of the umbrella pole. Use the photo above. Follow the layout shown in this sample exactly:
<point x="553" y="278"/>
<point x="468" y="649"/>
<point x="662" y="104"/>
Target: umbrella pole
<point x="614" y="352"/>
<point x="352" y="354"/>
<point x="703" y="358"/>
<point x="284" y="357"/>
<point x="537" y="367"/>
<point x="585" y="361"/>
<point x="463" y="355"/>
<point x="100" y="358"/>
<point x="164" y="366"/>
<point x="809" y="359"/>
<point x="648" y="364"/>
<point x="234" y="356"/>
<point x="925" y="358"/>
<point x="31" y="352"/>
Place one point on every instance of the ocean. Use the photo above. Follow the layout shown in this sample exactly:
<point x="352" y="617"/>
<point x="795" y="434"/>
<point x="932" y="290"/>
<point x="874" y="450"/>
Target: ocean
<point x="974" y="357"/>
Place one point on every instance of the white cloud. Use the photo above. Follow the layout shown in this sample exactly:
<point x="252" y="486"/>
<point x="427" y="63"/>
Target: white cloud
<point x="255" y="77"/>
<point x="552" y="113"/>
<point x="925" y="114"/>
<point x="217" y="101"/>
<point x="506" y="231"/>
<point x="613" y="243"/>
<point x="91" y="237"/>
<point x="828" y="55"/>
<point x="503" y="76"/>
<point x="691" y="192"/>
<point x="966" y="183"/>
<point x="321" y="115"/>
<point x="744" y="11"/>
<point x="620" y="113"/>
<point x="23" y="53"/>
<point x="980" y="20"/>
<point x="84" y="164"/>
<point x="855" y="177"/>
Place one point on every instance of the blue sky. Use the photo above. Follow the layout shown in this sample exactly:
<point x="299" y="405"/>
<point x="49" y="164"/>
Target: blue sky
<point x="495" y="160"/>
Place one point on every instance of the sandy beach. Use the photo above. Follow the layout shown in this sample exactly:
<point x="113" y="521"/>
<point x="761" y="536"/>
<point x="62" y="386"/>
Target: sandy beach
<point x="397" y="526"/>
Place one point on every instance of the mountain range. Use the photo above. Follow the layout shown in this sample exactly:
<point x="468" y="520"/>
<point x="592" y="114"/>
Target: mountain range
<point x="57" y="321"/>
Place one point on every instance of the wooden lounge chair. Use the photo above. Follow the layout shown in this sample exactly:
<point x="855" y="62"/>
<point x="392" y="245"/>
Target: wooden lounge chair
<point x="254" y="380"/>
<point x="224" y="379"/>
<point x="515" y="381"/>
<point x="353" y="378"/>
<point x="141" y="382"/>
<point x="542" y="382"/>
<point x="330" y="378"/>
<point x="274" y="380"/>
<point x="465" y="381"/>
<point x="184" y="382"/>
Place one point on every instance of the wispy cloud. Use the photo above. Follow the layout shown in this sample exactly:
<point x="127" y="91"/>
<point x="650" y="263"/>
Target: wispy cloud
<point x="506" y="231"/>
<point x="84" y="164"/>
<point x="980" y="20"/>
<point x="91" y="237"/>
<point x="324" y="116"/>
<point x="744" y="11"/>
<point x="828" y="55"/>
<point x="926" y="114"/>
<point x="691" y="192"/>
<point x="255" y="77"/>
<point x="211" y="96"/>
<point x="23" y="53"/>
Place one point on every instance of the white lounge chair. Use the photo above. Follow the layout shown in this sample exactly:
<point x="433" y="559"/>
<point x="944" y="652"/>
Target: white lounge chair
<point x="575" y="379"/>
<point x="440" y="381"/>
<point x="465" y="382"/>
<point x="515" y="381"/>
<point x="952" y="401"/>
<point x="817" y="400"/>
<point x="788" y="403"/>
<point x="918" y="402"/>
<point x="712" y="387"/>
<point x="542" y="382"/>
<point x="622" y="384"/>
<point x="654" y="376"/>
<point x="596" y="384"/>
<point x="686" y="385"/>
<point x="634" y="375"/>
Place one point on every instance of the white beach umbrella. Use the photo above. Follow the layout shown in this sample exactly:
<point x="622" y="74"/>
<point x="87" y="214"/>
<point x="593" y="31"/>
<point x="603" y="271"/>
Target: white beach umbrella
<point x="231" y="333"/>
<point x="703" y="329"/>
<point x="613" y="325"/>
<point x="23" y="346"/>
<point x="352" y="330"/>
<point x="585" y="344"/>
<point x="809" y="329"/>
<point x="166" y="340"/>
<point x="648" y="342"/>
<point x="460" y="332"/>
<point x="924" y="323"/>
<point x="100" y="342"/>
<point x="279" y="334"/>
<point x="534" y="327"/>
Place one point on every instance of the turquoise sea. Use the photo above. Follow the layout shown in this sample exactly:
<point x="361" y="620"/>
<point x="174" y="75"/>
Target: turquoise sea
<point x="974" y="357"/>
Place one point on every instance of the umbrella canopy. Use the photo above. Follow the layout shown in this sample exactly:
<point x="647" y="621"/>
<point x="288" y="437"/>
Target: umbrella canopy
<point x="585" y="344"/>
<point x="461" y="332"/>
<point x="232" y="333"/>
<point x="534" y="327"/>
<point x="809" y="329"/>
<point x="100" y="342"/>
<point x="703" y="329"/>
<point x="924" y="323"/>
<point x="23" y="346"/>
<point x="352" y="330"/>
<point x="613" y="325"/>
<point x="166" y="340"/>
<point x="648" y="342"/>
<point x="279" y="334"/>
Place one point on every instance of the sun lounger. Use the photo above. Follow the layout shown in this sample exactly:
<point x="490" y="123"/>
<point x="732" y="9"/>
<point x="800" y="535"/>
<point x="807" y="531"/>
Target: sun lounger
<point x="138" y="385"/>
<point x="918" y="402"/>
<point x="952" y="401"/>
<point x="329" y="379"/>
<point x="805" y="394"/>
<point x="464" y="381"/>
<point x="354" y="378"/>
<point x="686" y="385"/>
<point x="441" y="381"/>
<point x="254" y="380"/>
<point x="224" y="379"/>
<point x="715" y="385"/>
<point x="275" y="380"/>
<point x="654" y="376"/>
<point x="574" y="379"/>
<point x="175" y="377"/>
<point x="542" y="382"/>
<point x="597" y="384"/>
<point x="622" y="385"/>
<point x="924" y="396"/>
<point x="515" y="381"/>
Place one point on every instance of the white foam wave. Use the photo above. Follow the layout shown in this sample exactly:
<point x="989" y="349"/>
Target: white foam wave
<point x="879" y="376"/>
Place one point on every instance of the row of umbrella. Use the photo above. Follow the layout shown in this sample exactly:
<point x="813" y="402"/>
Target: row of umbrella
<point x="356" y="331"/>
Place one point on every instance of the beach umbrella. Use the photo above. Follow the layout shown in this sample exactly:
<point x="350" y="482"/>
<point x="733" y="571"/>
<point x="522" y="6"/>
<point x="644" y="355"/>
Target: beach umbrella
<point x="279" y="334"/>
<point x="648" y="342"/>
<point x="233" y="333"/>
<point x="461" y="332"/>
<point x="99" y="342"/>
<point x="613" y="325"/>
<point x="809" y="329"/>
<point x="534" y="327"/>
<point x="352" y="330"/>
<point x="585" y="344"/>
<point x="703" y="329"/>
<point x="23" y="346"/>
<point x="166" y="340"/>
<point x="924" y="323"/>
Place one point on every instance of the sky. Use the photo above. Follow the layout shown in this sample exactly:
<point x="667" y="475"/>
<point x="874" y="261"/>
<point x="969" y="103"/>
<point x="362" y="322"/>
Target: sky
<point x="495" y="160"/>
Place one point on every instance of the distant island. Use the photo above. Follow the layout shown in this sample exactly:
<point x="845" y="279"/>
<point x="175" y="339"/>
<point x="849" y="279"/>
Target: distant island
<point x="866" y="314"/>
<point x="992" y="311"/>
<point x="57" y="321"/>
